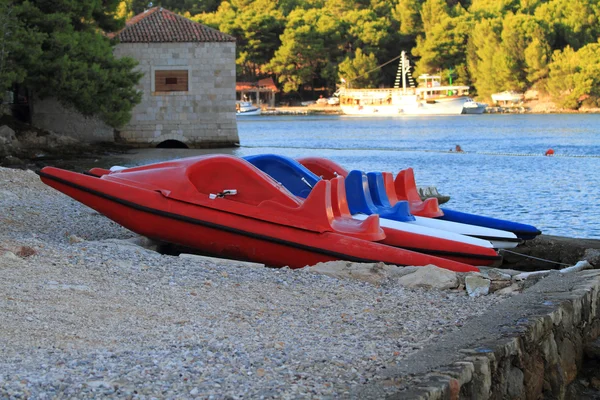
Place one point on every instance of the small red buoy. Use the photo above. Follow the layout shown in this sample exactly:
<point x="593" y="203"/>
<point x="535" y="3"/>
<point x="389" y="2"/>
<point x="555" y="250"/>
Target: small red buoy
<point x="549" y="152"/>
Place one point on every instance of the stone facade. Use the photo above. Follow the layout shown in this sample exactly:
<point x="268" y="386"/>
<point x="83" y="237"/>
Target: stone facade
<point x="204" y="116"/>
<point x="50" y="115"/>
<point x="195" y="101"/>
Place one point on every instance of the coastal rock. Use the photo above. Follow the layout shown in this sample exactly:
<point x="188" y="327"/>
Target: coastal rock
<point x="592" y="350"/>
<point x="430" y="277"/>
<point x="13" y="162"/>
<point x="499" y="285"/>
<point x="477" y="285"/>
<point x="7" y="135"/>
<point x="513" y="289"/>
<point x="549" y="252"/>
<point x="496" y="275"/>
<point x="41" y="141"/>
<point x="374" y="273"/>
<point x="592" y="256"/>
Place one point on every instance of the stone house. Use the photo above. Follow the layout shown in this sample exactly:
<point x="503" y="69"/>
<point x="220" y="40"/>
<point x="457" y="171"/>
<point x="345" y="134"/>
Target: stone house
<point x="188" y="87"/>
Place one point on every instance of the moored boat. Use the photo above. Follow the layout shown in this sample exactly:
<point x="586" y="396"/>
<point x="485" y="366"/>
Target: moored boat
<point x="508" y="97"/>
<point x="223" y="206"/>
<point x="246" y="108"/>
<point x="394" y="220"/>
<point x="405" y="189"/>
<point x="251" y="112"/>
<point x="429" y="98"/>
<point x="473" y="107"/>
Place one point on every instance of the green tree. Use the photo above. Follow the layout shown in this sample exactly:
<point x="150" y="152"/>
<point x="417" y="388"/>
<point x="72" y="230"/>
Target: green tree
<point x="487" y="60"/>
<point x="368" y="26"/>
<point x="10" y="31"/>
<point x="575" y="22"/>
<point x="191" y="7"/>
<point x="257" y="25"/>
<point x="575" y="75"/>
<point x="433" y="12"/>
<point x="124" y="10"/>
<point x="366" y="29"/>
<point x="537" y="57"/>
<point x="61" y="53"/>
<point x="305" y="49"/>
<point x="527" y="50"/>
<point x="445" y="47"/>
<point x="360" y="71"/>
<point x="408" y="14"/>
<point x="262" y="24"/>
<point x="494" y="8"/>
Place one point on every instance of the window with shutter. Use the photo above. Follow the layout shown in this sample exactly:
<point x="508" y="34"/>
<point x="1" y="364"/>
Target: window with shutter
<point x="171" y="80"/>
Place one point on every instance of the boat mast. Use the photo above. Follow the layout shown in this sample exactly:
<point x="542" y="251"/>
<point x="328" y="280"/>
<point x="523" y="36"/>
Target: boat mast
<point x="403" y="70"/>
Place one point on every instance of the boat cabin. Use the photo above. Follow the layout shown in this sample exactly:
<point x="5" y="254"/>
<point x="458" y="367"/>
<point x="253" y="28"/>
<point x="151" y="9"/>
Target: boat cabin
<point x="430" y="88"/>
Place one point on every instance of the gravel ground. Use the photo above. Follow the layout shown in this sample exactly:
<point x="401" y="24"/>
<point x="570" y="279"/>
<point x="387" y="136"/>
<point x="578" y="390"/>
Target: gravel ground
<point x="86" y="314"/>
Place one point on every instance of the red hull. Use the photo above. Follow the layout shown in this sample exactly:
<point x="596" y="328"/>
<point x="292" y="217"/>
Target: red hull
<point x="449" y="249"/>
<point x="258" y="237"/>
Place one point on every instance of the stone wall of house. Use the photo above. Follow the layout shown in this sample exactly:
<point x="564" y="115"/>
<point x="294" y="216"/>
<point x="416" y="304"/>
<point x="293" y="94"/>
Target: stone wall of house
<point x="202" y="117"/>
<point x="50" y="115"/>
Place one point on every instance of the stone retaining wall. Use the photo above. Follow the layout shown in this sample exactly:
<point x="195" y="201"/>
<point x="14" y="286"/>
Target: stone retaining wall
<point x="52" y="116"/>
<point x="537" y="351"/>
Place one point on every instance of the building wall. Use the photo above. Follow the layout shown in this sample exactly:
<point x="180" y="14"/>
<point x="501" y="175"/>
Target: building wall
<point x="202" y="117"/>
<point x="50" y="115"/>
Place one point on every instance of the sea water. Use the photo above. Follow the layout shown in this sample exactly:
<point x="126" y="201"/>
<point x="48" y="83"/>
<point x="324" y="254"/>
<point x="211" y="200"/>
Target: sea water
<point x="502" y="171"/>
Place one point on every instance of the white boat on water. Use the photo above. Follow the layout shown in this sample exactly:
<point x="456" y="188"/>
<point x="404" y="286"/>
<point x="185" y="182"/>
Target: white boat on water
<point x="472" y="107"/>
<point x="249" y="112"/>
<point x="246" y="108"/>
<point x="508" y="97"/>
<point x="429" y="98"/>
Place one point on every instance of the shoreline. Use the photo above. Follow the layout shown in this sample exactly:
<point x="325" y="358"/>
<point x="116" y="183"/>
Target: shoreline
<point x="115" y="319"/>
<point x="336" y="110"/>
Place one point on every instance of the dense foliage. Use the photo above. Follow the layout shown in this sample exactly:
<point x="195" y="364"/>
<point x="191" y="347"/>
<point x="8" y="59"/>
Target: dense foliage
<point x="57" y="48"/>
<point x="491" y="45"/>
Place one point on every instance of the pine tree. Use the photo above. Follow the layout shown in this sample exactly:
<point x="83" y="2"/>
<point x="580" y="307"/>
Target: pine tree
<point x="61" y="52"/>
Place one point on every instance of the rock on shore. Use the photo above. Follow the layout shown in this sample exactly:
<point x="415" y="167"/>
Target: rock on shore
<point x="23" y="146"/>
<point x="88" y="314"/>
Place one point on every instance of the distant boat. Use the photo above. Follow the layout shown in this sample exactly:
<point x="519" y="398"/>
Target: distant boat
<point x="249" y="113"/>
<point x="508" y="97"/>
<point x="246" y="108"/>
<point x="430" y="98"/>
<point x="473" y="107"/>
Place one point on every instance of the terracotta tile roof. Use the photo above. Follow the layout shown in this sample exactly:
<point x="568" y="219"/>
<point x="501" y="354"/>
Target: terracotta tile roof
<point x="158" y="25"/>
<point x="265" y="84"/>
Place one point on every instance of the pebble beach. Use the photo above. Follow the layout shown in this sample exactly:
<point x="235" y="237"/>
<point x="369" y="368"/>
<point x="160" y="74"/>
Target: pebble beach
<point x="86" y="313"/>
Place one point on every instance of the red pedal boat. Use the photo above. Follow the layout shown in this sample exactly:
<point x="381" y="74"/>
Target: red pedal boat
<point x="224" y="206"/>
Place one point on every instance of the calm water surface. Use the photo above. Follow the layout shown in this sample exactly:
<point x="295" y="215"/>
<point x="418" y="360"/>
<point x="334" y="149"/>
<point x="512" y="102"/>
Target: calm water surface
<point x="502" y="172"/>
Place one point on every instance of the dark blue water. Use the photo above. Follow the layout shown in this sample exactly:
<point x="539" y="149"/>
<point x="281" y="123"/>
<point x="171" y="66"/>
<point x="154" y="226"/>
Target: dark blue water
<point x="502" y="172"/>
